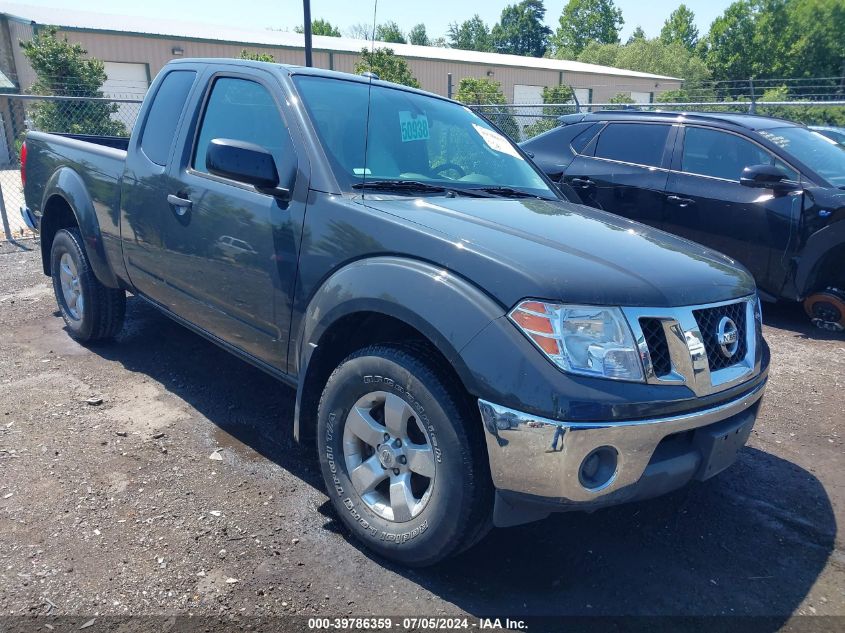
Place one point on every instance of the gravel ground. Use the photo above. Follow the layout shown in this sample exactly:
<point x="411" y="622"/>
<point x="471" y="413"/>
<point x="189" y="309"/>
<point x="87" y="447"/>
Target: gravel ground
<point x="158" y="475"/>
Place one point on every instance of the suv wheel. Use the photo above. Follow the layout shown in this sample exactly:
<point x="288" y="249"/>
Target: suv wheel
<point x="90" y="310"/>
<point x="827" y="309"/>
<point x="403" y="461"/>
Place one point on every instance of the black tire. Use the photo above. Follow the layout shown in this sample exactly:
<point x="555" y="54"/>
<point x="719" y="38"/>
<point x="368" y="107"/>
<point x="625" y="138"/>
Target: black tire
<point x="457" y="511"/>
<point x="103" y="309"/>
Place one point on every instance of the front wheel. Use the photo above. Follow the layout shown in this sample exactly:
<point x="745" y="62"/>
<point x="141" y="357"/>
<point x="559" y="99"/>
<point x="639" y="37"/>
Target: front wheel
<point x="90" y="310"/>
<point x="402" y="456"/>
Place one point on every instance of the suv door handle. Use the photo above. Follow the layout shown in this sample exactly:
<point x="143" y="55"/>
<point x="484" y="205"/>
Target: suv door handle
<point x="180" y="205"/>
<point x="680" y="202"/>
<point x="582" y="182"/>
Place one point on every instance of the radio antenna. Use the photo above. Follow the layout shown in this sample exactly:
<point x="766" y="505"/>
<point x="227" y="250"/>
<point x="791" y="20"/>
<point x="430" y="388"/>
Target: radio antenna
<point x="370" y="76"/>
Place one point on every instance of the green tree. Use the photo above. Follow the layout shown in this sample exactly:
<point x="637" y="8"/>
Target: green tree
<point x="649" y="56"/>
<point x="558" y="98"/>
<point x="470" y="35"/>
<point x="808" y="115"/>
<point x="814" y="33"/>
<point x="488" y="93"/>
<point x="521" y="30"/>
<point x="729" y="48"/>
<point x="390" y="32"/>
<point x="680" y="27"/>
<point x="418" y="36"/>
<point x="638" y="34"/>
<point x="388" y="67"/>
<point x="62" y="69"/>
<point x="585" y="21"/>
<point x="257" y="57"/>
<point x="622" y="98"/>
<point x="320" y="27"/>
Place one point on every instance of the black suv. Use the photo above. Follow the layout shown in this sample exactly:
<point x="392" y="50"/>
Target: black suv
<point x="766" y="192"/>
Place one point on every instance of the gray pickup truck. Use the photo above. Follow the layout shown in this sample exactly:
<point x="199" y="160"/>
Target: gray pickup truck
<point x="468" y="348"/>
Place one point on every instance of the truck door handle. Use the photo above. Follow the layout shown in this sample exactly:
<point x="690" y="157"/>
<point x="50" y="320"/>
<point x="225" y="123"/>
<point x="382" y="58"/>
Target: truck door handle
<point x="680" y="202"/>
<point x="582" y="182"/>
<point x="180" y="205"/>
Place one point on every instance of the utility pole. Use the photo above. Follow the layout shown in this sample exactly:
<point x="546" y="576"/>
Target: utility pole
<point x="306" y="29"/>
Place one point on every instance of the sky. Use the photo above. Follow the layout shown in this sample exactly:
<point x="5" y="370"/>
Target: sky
<point x="435" y="14"/>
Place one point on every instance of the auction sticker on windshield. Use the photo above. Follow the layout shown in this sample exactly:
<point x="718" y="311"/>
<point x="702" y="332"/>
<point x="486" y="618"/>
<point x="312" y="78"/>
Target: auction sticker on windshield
<point x="414" y="126"/>
<point x="496" y="141"/>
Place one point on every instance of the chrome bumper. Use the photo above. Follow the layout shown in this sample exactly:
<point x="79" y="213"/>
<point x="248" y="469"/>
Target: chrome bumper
<point x="522" y="460"/>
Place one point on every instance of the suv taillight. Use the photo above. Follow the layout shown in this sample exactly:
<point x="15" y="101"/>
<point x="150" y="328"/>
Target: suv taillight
<point x="23" y="164"/>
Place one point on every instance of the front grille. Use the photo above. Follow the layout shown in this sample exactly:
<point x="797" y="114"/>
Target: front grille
<point x="658" y="348"/>
<point x="708" y="320"/>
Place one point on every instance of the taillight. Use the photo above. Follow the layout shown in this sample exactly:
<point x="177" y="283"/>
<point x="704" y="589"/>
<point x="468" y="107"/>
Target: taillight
<point x="23" y="164"/>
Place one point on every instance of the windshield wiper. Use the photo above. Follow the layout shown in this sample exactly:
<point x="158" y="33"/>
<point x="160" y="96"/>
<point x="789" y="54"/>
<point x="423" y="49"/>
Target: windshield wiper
<point x="399" y="185"/>
<point x="507" y="192"/>
<point x="418" y="186"/>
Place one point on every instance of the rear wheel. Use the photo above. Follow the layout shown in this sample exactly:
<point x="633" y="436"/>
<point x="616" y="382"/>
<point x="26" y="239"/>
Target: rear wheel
<point x="90" y="310"/>
<point x="402" y="456"/>
<point x="827" y="309"/>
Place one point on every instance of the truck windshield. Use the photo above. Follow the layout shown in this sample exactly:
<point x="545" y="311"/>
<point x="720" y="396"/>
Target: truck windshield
<point x="412" y="137"/>
<point x="821" y="154"/>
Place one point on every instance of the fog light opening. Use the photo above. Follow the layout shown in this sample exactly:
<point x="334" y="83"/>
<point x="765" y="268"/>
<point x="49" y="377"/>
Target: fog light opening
<point x="598" y="468"/>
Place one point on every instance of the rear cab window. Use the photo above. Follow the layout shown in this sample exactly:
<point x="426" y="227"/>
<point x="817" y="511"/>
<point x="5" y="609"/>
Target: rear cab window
<point x="637" y="143"/>
<point x="160" y="126"/>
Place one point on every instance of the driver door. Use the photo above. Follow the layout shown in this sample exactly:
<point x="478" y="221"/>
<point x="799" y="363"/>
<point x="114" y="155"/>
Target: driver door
<point x="229" y="249"/>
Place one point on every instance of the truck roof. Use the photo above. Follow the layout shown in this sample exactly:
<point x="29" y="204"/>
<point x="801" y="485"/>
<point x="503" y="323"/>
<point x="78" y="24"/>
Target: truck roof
<point x="294" y="69"/>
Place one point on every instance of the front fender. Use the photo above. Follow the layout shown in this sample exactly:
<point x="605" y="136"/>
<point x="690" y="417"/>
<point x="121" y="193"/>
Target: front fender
<point x="820" y="244"/>
<point x="68" y="185"/>
<point x="447" y="309"/>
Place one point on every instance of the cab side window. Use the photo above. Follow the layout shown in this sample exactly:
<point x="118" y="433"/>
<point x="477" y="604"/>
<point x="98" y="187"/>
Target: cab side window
<point x="242" y="110"/>
<point x="723" y="155"/>
<point x="160" y="126"/>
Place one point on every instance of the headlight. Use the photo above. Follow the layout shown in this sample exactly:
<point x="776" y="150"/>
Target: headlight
<point x="588" y="340"/>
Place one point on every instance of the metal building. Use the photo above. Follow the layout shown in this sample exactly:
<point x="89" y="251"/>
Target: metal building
<point x="134" y="49"/>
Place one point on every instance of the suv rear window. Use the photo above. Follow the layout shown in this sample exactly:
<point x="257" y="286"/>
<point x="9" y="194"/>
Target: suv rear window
<point x="639" y="143"/>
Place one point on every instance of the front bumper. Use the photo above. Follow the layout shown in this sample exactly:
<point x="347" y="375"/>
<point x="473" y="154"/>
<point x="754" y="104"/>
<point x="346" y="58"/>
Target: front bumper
<point x="542" y="461"/>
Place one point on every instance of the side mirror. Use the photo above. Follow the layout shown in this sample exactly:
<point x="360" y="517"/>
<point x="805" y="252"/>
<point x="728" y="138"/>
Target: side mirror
<point x="245" y="162"/>
<point x="767" y="177"/>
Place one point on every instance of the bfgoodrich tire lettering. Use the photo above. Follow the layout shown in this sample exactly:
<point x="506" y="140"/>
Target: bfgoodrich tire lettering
<point x="451" y="494"/>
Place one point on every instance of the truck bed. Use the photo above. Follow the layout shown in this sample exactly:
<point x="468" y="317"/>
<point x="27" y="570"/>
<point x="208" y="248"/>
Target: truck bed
<point x="83" y="167"/>
<point x="96" y="160"/>
<point x="115" y="142"/>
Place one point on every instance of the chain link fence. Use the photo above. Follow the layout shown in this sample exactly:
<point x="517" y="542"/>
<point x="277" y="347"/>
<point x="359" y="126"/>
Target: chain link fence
<point x="67" y="115"/>
<point x="812" y="101"/>
<point x="524" y="121"/>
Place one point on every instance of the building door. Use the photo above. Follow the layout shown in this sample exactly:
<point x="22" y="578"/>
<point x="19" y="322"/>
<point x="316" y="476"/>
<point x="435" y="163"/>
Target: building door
<point x="532" y="95"/>
<point x="641" y="97"/>
<point x="126" y="81"/>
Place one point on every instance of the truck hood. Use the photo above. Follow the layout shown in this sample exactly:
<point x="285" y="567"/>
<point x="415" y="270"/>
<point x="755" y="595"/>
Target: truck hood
<point x="518" y="248"/>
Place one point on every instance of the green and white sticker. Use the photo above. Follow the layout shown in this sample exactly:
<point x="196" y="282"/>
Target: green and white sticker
<point x="414" y="126"/>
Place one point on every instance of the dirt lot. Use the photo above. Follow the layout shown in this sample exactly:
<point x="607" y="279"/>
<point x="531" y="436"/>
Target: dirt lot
<point x="117" y="508"/>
